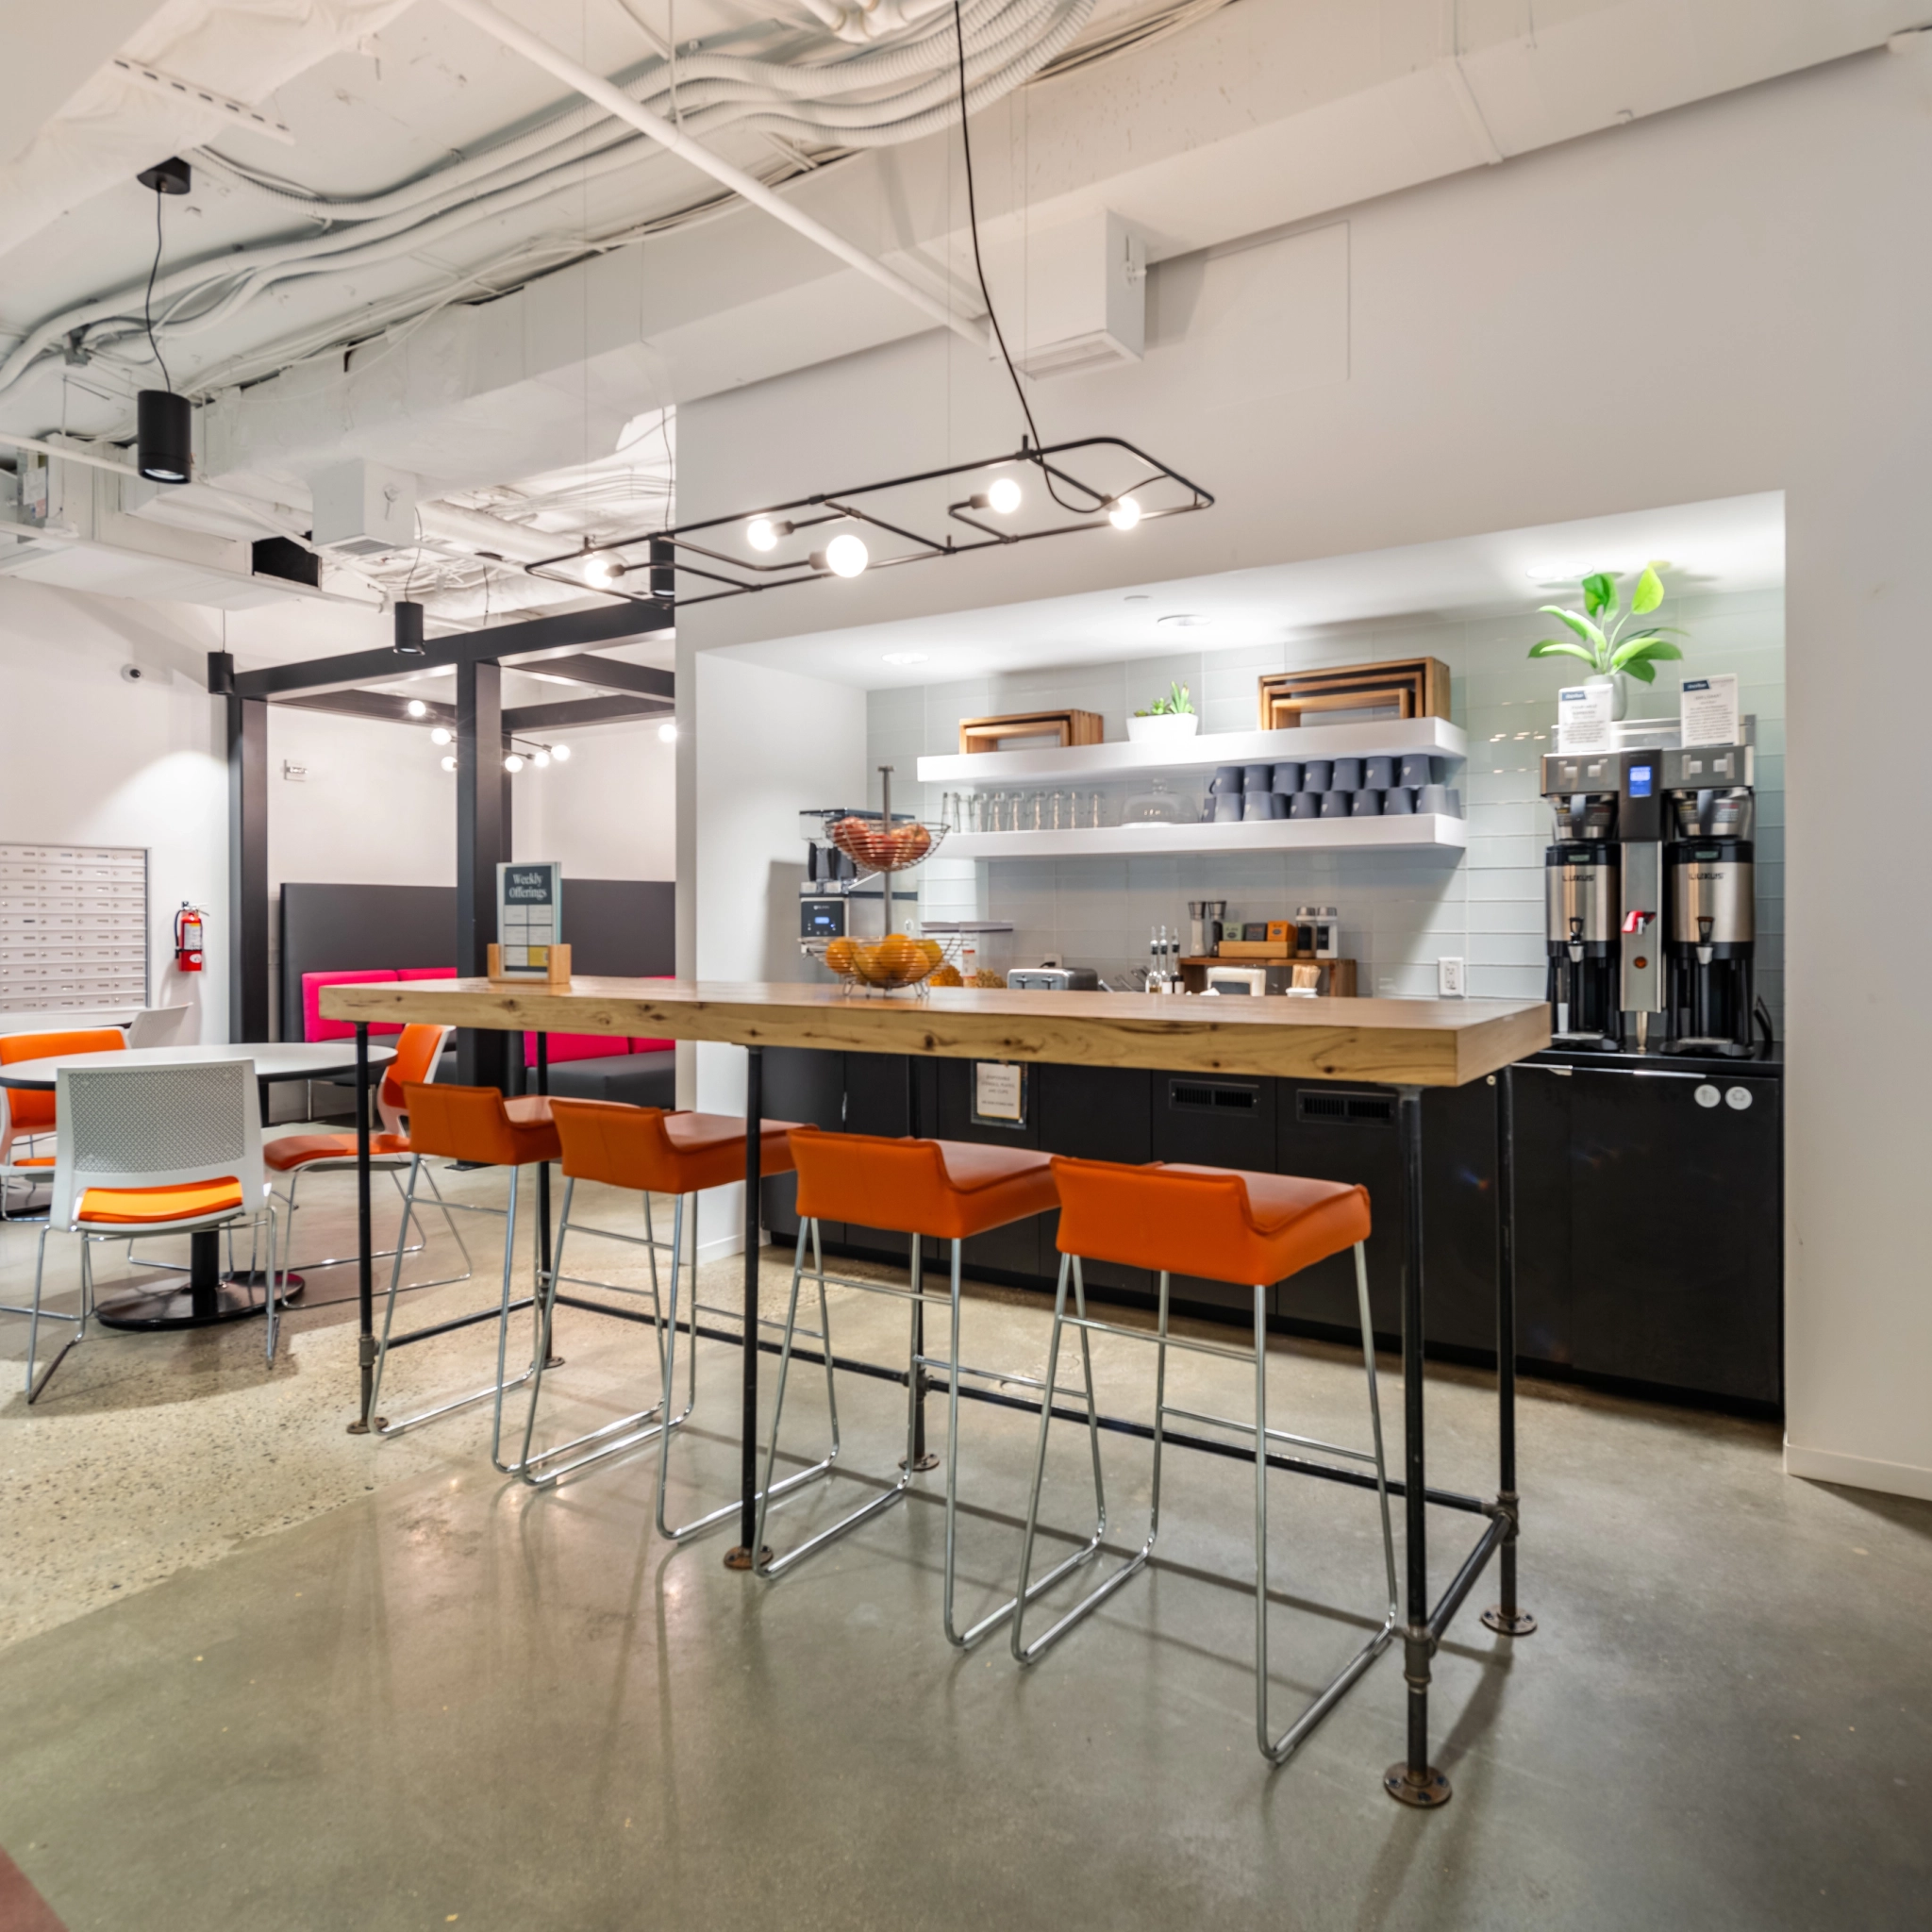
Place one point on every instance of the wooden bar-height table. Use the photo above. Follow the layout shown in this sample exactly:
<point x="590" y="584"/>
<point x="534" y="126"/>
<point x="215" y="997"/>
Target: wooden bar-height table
<point x="1408" y="1044"/>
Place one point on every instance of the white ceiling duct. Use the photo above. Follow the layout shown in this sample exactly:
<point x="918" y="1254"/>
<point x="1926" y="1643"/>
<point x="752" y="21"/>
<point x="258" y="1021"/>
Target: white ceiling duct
<point x="115" y="126"/>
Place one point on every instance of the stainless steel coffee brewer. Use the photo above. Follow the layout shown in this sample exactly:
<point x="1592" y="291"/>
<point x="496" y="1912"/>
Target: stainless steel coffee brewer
<point x="1583" y="901"/>
<point x="1711" y="938"/>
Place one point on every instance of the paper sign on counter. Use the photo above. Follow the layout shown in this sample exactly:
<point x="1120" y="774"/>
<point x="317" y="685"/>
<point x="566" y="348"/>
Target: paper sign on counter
<point x="999" y="1092"/>
<point x="1583" y="717"/>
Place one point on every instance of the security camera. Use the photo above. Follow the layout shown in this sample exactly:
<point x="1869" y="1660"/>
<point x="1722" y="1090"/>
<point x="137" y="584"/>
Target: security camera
<point x="132" y="674"/>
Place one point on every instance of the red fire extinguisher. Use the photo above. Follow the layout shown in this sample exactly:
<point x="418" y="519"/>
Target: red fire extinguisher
<point x="188" y="941"/>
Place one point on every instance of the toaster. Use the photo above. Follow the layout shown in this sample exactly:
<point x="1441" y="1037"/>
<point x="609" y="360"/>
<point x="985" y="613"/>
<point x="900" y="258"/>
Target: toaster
<point x="1053" y="979"/>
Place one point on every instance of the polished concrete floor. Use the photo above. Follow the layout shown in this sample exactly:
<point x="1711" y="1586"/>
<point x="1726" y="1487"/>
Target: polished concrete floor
<point x="259" y="1672"/>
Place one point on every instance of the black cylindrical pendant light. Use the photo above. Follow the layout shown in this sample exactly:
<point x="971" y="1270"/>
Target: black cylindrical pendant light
<point x="409" y="642"/>
<point x="164" y="436"/>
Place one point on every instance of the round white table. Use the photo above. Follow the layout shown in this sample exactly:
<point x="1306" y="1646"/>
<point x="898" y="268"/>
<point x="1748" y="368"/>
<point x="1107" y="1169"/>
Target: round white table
<point x="208" y="1295"/>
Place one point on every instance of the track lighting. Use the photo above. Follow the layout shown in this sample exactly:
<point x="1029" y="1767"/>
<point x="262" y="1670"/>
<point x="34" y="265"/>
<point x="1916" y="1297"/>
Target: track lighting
<point x="1124" y="514"/>
<point x="667" y="732"/>
<point x="560" y="753"/>
<point x="449" y="764"/>
<point x="845" y="556"/>
<point x="514" y="762"/>
<point x="417" y="709"/>
<point x="164" y="436"/>
<point x="442" y="734"/>
<point x="539" y="760"/>
<point x="408" y="622"/>
<point x="603" y="568"/>
<point x="762" y="533"/>
<point x="1002" y="496"/>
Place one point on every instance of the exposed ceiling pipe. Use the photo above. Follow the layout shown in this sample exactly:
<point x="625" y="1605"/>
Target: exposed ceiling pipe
<point x="476" y="531"/>
<point x="615" y="101"/>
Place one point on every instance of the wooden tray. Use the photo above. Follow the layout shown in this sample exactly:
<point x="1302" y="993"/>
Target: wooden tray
<point x="1403" y="686"/>
<point x="1047" y="727"/>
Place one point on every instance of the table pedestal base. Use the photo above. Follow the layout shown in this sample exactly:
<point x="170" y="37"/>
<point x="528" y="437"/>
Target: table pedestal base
<point x="205" y="1298"/>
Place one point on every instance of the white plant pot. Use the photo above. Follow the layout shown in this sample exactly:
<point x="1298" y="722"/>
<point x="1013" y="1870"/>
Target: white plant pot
<point x="1619" y="689"/>
<point x="1166" y="728"/>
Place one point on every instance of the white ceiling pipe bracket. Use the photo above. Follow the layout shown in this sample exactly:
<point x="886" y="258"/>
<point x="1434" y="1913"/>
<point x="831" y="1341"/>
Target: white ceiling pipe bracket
<point x="594" y="87"/>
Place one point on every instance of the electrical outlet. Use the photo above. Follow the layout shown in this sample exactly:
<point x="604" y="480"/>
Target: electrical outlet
<point x="1449" y="979"/>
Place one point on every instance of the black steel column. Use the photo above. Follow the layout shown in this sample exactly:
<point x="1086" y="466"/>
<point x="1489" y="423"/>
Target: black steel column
<point x="1415" y="1780"/>
<point x="482" y="844"/>
<point x="739" y="1555"/>
<point x="365" y="1265"/>
<point x="247" y="747"/>
<point x="1507" y="1618"/>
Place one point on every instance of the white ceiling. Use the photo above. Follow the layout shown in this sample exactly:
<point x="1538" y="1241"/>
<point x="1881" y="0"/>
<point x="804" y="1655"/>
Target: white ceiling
<point x="1736" y="543"/>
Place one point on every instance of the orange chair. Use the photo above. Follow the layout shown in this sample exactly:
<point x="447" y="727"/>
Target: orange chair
<point x="1251" y="1229"/>
<point x="478" y="1125"/>
<point x="949" y="1189"/>
<point x="26" y="1114"/>
<point x="642" y="1150"/>
<point x="417" y="1052"/>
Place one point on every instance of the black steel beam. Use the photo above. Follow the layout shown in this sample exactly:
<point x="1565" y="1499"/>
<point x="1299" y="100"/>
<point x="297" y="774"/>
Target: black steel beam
<point x="577" y="712"/>
<point x="247" y="742"/>
<point x="608" y="674"/>
<point x="564" y="632"/>
<point x="482" y="843"/>
<point x="374" y="704"/>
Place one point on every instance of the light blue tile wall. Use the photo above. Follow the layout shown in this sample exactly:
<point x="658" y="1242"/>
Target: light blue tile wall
<point x="1400" y="911"/>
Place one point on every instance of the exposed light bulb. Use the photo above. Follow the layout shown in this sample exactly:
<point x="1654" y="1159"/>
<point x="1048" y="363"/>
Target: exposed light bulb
<point x="762" y="533"/>
<point x="1124" y="514"/>
<point x="1003" y="496"/>
<point x="845" y="556"/>
<point x="514" y="762"/>
<point x="449" y="764"/>
<point x="604" y="568"/>
<point x="667" y="732"/>
<point x="541" y="758"/>
<point x="417" y="709"/>
<point x="560" y="753"/>
<point x="442" y="734"/>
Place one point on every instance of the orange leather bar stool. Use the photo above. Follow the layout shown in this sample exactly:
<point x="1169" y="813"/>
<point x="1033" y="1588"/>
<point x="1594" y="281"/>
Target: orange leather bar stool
<point x="1253" y="1229"/>
<point x="478" y="1125"/>
<point x="26" y="1114"/>
<point x="949" y="1189"/>
<point x="418" y="1049"/>
<point x="642" y="1150"/>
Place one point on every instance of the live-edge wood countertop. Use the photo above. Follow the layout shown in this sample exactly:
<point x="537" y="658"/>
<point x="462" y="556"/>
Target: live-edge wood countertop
<point x="1393" y="1042"/>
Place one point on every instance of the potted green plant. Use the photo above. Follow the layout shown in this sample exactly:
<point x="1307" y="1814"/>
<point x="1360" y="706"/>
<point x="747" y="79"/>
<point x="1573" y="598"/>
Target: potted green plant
<point x="1165" y="719"/>
<point x="1601" y="637"/>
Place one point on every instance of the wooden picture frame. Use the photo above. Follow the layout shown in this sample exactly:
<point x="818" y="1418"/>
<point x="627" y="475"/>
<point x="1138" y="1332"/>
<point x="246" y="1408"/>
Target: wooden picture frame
<point x="1402" y="687"/>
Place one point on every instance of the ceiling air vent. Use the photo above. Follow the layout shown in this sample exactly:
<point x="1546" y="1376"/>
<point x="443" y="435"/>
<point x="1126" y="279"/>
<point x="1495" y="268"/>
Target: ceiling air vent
<point x="362" y="509"/>
<point x="1086" y="297"/>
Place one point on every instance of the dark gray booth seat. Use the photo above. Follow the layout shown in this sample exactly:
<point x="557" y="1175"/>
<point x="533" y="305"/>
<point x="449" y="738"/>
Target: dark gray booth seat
<point x="639" y="1079"/>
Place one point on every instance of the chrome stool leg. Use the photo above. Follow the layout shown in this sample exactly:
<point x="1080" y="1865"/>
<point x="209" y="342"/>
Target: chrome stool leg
<point x="1028" y="1653"/>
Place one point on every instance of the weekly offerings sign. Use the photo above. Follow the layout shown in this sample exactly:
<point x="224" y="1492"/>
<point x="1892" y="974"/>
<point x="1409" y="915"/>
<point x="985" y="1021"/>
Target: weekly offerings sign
<point x="529" y="917"/>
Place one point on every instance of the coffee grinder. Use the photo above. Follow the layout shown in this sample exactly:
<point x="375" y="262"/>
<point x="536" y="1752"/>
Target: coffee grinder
<point x="1708" y="870"/>
<point x="1583" y="901"/>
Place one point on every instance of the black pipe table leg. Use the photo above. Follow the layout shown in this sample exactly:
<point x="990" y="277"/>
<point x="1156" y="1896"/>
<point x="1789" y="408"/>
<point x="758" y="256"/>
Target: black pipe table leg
<point x="922" y="1457"/>
<point x="739" y="1555"/>
<point x="365" y="1260"/>
<point x="1507" y="1618"/>
<point x="1414" y="1780"/>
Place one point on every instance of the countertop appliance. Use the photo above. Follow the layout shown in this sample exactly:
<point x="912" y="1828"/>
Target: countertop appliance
<point x="1708" y="867"/>
<point x="1053" y="979"/>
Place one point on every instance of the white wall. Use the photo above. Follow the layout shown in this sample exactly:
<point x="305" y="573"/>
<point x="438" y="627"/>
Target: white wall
<point x="758" y="747"/>
<point x="610" y="813"/>
<point x="1727" y="299"/>
<point x="90" y="756"/>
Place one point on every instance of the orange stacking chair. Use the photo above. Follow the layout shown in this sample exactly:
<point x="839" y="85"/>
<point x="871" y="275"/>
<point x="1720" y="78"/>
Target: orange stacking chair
<point x="647" y="1151"/>
<point x="417" y="1050"/>
<point x="949" y="1189"/>
<point x="1253" y="1229"/>
<point x="478" y="1125"/>
<point x="26" y="1116"/>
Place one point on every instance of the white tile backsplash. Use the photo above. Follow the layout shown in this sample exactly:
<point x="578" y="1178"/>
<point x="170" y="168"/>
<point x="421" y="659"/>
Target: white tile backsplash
<point x="1400" y="910"/>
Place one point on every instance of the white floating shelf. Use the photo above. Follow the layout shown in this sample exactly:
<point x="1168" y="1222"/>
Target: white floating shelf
<point x="1125" y="760"/>
<point x="1407" y="832"/>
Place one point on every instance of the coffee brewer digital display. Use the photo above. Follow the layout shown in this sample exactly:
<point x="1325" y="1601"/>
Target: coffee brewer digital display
<point x="1648" y="898"/>
<point x="1709" y="870"/>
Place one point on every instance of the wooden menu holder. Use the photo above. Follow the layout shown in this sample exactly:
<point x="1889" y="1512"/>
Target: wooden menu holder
<point x="556" y="973"/>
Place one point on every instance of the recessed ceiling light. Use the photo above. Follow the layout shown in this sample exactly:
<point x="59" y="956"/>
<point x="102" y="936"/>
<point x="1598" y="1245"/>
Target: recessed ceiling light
<point x="1187" y="620"/>
<point x="905" y="658"/>
<point x="1138" y="597"/>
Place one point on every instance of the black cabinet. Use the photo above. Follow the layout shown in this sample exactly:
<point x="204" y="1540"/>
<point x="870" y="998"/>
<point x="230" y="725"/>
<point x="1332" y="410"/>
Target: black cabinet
<point x="1214" y="1123"/>
<point x="1667" y="1186"/>
<point x="807" y="1085"/>
<point x="1011" y="1253"/>
<point x="1095" y="1114"/>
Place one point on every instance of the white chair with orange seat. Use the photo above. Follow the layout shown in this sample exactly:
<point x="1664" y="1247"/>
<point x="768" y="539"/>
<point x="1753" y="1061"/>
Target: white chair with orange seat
<point x="419" y="1049"/>
<point x="150" y="1151"/>
<point x="26" y="1115"/>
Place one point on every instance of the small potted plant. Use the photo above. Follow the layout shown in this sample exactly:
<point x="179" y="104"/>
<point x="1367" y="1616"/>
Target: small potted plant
<point x="1166" y="718"/>
<point x="1602" y="639"/>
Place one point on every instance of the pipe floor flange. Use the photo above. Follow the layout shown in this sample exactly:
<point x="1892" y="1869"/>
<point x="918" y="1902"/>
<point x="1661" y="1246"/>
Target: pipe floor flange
<point x="1508" y="1622"/>
<point x="1425" y="1796"/>
<point x="739" y="1557"/>
<point x="925" y="1462"/>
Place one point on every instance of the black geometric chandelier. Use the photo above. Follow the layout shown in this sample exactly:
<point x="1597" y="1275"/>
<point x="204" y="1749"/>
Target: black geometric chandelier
<point x="1095" y="483"/>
